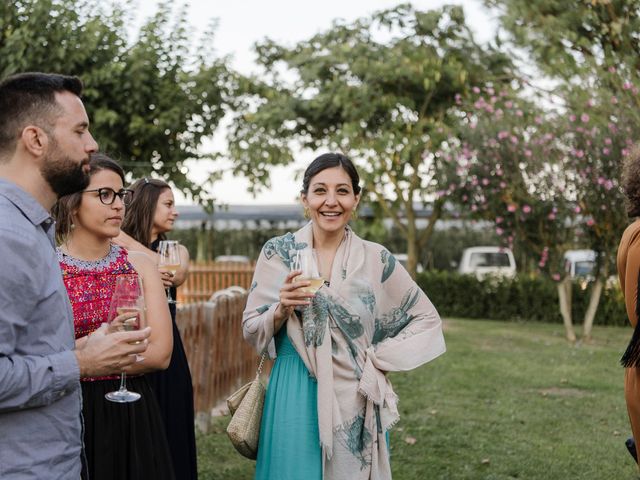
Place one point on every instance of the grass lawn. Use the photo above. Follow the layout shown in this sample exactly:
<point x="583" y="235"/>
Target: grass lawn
<point x="507" y="401"/>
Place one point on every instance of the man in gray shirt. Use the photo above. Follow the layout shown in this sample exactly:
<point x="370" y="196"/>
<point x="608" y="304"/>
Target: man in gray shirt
<point x="44" y="152"/>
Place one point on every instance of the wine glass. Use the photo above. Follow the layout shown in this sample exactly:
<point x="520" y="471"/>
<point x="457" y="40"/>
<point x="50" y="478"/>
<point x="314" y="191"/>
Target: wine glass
<point x="306" y="262"/>
<point x="126" y="313"/>
<point x="169" y="261"/>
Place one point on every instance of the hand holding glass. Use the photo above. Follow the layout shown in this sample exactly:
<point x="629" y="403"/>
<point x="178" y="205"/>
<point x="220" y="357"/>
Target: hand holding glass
<point x="126" y="313"/>
<point x="169" y="261"/>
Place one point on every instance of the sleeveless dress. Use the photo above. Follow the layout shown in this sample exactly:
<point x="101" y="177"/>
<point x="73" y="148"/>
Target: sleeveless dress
<point x="124" y="441"/>
<point x="174" y="392"/>
<point x="289" y="445"/>
<point x="628" y="262"/>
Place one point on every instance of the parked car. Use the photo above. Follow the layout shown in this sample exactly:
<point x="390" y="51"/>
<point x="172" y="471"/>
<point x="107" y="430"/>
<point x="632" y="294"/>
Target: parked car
<point x="232" y="258"/>
<point x="488" y="260"/>
<point x="580" y="263"/>
<point x="403" y="258"/>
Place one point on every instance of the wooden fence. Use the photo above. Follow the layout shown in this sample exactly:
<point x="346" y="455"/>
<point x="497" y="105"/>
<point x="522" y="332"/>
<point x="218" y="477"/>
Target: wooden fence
<point x="221" y="361"/>
<point x="208" y="277"/>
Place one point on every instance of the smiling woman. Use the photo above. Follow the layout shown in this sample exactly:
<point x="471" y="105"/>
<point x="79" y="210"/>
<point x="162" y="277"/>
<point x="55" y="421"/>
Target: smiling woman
<point x="330" y="195"/>
<point x="329" y="405"/>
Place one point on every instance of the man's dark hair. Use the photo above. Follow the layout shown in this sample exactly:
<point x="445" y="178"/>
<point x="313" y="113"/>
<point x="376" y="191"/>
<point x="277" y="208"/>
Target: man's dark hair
<point x="29" y="99"/>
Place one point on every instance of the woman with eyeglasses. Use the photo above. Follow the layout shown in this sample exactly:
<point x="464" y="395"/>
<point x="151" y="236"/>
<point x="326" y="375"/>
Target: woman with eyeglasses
<point x="149" y="217"/>
<point x="122" y="440"/>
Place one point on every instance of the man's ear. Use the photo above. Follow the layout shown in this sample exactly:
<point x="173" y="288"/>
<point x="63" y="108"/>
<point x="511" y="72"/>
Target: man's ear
<point x="35" y="140"/>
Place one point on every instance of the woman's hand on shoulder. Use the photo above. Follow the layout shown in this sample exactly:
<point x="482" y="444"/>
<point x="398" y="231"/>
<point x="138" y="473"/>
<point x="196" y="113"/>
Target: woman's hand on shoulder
<point x="130" y="244"/>
<point x="124" y="240"/>
<point x="142" y="262"/>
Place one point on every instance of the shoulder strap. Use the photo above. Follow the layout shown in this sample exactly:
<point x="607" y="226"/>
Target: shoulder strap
<point x="262" y="358"/>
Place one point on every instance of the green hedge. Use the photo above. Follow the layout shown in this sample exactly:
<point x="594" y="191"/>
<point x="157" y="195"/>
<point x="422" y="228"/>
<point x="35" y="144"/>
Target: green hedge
<point x="522" y="298"/>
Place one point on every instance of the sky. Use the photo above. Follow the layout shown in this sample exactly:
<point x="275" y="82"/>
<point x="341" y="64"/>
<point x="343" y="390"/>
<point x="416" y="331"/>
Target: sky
<point x="241" y="23"/>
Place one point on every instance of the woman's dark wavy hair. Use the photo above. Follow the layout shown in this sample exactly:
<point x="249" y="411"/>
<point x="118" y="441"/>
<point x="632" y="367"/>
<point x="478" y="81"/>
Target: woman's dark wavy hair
<point x="631" y="181"/>
<point x="330" y="160"/>
<point x="138" y="218"/>
<point x="65" y="206"/>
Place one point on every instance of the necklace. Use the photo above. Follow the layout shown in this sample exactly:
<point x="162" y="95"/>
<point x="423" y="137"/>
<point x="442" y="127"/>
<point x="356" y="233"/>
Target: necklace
<point x="91" y="258"/>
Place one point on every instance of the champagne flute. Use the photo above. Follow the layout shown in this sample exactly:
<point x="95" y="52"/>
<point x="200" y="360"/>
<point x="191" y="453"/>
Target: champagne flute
<point x="307" y="263"/>
<point x="169" y="261"/>
<point x="126" y="313"/>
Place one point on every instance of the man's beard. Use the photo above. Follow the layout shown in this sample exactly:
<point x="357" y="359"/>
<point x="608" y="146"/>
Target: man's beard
<point x="64" y="175"/>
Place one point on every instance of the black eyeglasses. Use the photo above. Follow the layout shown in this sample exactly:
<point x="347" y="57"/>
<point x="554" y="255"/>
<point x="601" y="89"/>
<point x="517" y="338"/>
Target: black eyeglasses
<point x="108" y="195"/>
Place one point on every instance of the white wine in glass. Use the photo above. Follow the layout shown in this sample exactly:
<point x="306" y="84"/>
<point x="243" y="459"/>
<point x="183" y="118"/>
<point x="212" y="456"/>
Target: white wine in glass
<point x="169" y="261"/>
<point x="126" y="313"/>
<point x="315" y="284"/>
<point x="308" y="265"/>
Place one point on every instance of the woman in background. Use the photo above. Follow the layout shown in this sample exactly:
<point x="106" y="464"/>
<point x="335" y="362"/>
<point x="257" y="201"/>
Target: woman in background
<point x="628" y="261"/>
<point x="149" y="217"/>
<point x="123" y="441"/>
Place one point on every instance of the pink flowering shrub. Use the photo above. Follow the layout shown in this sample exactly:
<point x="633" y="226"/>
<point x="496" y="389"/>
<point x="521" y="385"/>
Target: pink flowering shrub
<point x="508" y="174"/>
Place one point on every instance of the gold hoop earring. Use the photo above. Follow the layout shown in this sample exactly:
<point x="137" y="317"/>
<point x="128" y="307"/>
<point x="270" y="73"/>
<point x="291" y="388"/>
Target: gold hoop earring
<point x="354" y="214"/>
<point x="306" y="213"/>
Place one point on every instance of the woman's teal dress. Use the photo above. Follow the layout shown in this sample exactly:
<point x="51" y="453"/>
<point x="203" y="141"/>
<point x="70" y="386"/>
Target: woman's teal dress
<point x="289" y="447"/>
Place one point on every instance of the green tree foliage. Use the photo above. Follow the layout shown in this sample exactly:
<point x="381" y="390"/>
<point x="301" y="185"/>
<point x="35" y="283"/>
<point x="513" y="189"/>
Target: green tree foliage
<point x="58" y="36"/>
<point x="569" y="38"/>
<point x="380" y="89"/>
<point x="151" y="101"/>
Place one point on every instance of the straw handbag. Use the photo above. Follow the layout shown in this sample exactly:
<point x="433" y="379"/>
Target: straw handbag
<point x="245" y="406"/>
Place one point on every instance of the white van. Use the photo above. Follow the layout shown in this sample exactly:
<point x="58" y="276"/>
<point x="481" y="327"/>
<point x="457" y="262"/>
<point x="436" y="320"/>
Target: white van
<point x="483" y="261"/>
<point x="580" y="263"/>
<point x="403" y="258"/>
<point x="232" y="259"/>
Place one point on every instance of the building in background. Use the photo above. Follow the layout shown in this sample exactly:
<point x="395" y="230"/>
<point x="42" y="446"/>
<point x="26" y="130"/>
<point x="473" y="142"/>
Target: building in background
<point x="288" y="217"/>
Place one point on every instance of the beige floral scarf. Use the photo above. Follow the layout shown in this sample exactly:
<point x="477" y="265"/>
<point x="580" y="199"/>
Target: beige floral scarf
<point x="372" y="319"/>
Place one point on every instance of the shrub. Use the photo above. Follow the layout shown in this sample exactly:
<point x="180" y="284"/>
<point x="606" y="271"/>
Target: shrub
<point x="523" y="298"/>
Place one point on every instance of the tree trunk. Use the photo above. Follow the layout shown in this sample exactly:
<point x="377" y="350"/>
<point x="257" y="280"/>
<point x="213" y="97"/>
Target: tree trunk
<point x="201" y="238"/>
<point x="417" y="240"/>
<point x="412" y="248"/>
<point x="590" y="314"/>
<point x="564" y="297"/>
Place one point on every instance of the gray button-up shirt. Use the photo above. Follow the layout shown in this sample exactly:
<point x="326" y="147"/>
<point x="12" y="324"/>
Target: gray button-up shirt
<point x="40" y="400"/>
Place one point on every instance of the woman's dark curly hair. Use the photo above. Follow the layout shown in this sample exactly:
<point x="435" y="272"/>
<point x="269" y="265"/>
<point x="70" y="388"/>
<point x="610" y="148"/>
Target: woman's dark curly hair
<point x="631" y="181"/>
